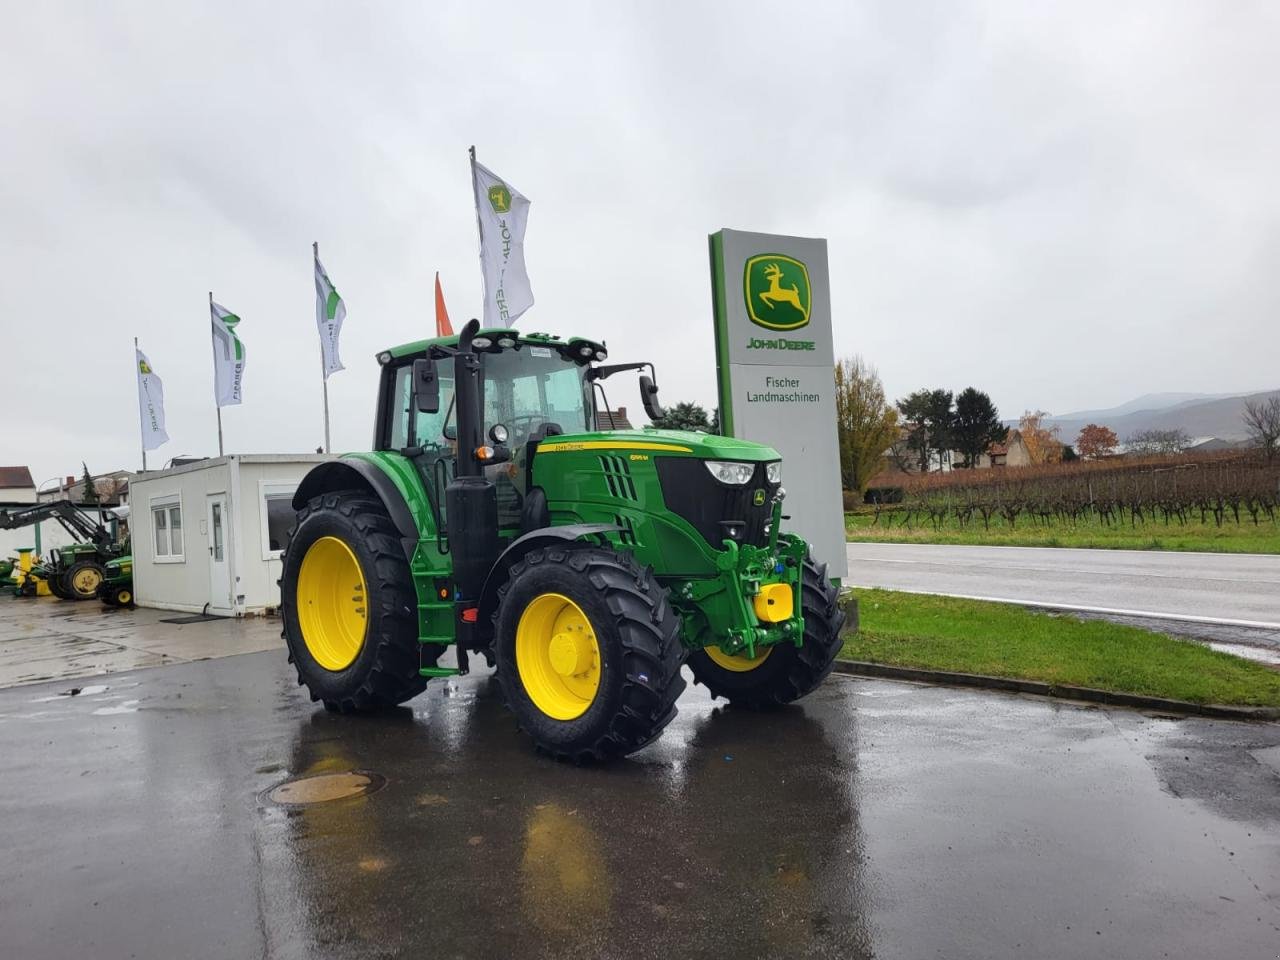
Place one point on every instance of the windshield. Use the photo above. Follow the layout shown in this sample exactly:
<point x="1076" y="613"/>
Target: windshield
<point x="532" y="386"/>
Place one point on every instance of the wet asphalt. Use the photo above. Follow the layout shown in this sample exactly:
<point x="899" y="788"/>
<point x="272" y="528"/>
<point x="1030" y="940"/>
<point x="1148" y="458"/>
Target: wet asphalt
<point x="873" y="819"/>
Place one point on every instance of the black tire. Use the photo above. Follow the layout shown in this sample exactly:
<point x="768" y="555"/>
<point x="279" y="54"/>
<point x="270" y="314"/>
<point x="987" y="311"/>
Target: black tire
<point x="790" y="672"/>
<point x="385" y="670"/>
<point x="638" y="635"/>
<point x="68" y="580"/>
<point x="56" y="587"/>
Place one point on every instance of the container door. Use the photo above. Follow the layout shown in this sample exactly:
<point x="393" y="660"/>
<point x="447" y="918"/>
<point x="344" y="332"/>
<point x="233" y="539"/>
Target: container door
<point x="219" y="568"/>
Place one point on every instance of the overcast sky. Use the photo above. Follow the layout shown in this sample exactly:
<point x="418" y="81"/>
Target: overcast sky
<point x="1066" y="206"/>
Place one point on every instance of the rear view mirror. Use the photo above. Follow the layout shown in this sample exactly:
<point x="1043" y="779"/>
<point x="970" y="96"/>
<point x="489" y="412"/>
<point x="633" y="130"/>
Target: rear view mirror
<point x="649" y="398"/>
<point x="426" y="386"/>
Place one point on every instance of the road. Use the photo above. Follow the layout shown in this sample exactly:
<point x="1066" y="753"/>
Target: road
<point x="1237" y="589"/>
<point x="875" y="818"/>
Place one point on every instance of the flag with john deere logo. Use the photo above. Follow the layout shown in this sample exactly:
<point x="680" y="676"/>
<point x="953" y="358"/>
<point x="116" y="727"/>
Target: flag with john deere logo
<point x="228" y="356"/>
<point x="502" y="213"/>
<point x="150" y="403"/>
<point x="330" y="312"/>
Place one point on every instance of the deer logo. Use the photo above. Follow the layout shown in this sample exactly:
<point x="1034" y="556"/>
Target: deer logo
<point x="777" y="291"/>
<point x="500" y="198"/>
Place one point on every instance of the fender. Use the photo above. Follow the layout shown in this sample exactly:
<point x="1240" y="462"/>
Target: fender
<point x="360" y="474"/>
<point x="522" y="545"/>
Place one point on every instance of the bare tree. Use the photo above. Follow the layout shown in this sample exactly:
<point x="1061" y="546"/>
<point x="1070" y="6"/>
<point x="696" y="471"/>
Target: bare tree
<point x="1157" y="441"/>
<point x="1262" y="421"/>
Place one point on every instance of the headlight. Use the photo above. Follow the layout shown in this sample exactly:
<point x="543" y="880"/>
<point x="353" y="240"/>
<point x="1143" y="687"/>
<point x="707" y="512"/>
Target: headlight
<point x="774" y="471"/>
<point x="727" y="471"/>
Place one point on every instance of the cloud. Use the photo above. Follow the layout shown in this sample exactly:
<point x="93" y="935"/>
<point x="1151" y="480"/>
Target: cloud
<point x="1065" y="207"/>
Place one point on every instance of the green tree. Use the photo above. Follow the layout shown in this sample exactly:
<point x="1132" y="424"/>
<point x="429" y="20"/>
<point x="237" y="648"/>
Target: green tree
<point x="684" y="416"/>
<point x="90" y="494"/>
<point x="930" y="418"/>
<point x="866" y="425"/>
<point x="977" y="425"/>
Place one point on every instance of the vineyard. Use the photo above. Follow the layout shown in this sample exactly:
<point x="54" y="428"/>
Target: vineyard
<point x="1165" y="492"/>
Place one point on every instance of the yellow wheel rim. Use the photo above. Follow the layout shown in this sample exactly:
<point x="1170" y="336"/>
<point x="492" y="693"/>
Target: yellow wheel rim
<point x="124" y="596"/>
<point x="557" y="656"/>
<point x="331" y="603"/>
<point x="738" y="663"/>
<point x="86" y="581"/>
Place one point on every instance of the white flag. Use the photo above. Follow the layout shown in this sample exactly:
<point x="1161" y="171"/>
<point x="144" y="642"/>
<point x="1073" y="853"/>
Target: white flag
<point x="330" y="312"/>
<point x="150" y="404"/>
<point x="228" y="356"/>
<point x="502" y="212"/>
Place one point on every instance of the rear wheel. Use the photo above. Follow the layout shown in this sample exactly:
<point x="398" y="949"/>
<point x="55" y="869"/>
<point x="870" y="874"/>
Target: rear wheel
<point x="588" y="652"/>
<point x="81" y="581"/>
<point x="349" y="606"/>
<point x="784" y="672"/>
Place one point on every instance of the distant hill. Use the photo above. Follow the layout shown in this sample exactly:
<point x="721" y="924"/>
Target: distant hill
<point x="1199" y="415"/>
<point x="1146" y="402"/>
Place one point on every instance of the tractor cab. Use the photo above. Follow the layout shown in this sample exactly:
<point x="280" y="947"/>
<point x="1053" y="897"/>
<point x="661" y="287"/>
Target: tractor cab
<point x="530" y="387"/>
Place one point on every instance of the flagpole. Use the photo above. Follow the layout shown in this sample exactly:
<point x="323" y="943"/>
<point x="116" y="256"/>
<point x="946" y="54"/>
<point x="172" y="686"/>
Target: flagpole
<point x="324" y="371"/>
<point x="475" y="197"/>
<point x="217" y="406"/>
<point x="142" y="433"/>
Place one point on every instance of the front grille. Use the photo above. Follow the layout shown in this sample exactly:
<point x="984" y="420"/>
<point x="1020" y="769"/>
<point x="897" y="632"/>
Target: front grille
<point x="690" y="491"/>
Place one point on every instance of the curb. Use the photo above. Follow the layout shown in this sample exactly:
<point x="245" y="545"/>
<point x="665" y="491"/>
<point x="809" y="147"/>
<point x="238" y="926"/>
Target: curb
<point x="1134" y="701"/>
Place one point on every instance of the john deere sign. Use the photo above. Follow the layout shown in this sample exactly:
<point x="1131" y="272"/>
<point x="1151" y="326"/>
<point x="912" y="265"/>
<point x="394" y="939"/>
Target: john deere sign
<point x="775" y="363"/>
<point x="777" y="291"/>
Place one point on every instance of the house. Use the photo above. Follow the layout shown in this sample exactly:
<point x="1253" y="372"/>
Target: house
<point x="208" y="536"/>
<point x="16" y="486"/>
<point x="997" y="455"/>
<point x="112" y="489"/>
<point x="613" y="419"/>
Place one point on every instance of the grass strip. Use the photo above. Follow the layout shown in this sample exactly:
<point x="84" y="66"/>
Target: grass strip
<point x="1004" y="640"/>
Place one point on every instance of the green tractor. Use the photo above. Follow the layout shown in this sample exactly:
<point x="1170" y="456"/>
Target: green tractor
<point x="588" y="566"/>
<point x="116" y="589"/>
<point x="73" y="572"/>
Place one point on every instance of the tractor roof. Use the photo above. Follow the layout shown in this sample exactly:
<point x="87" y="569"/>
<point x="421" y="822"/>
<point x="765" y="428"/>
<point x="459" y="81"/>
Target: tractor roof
<point x="420" y="346"/>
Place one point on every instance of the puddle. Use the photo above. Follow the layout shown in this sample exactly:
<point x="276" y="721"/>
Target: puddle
<point x="129" y="706"/>
<point x="326" y="787"/>
<point x="88" y="691"/>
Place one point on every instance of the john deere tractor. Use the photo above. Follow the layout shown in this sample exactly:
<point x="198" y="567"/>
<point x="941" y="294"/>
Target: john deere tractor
<point x="588" y="566"/>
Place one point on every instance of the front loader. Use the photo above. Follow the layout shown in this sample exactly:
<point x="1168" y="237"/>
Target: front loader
<point x="492" y="517"/>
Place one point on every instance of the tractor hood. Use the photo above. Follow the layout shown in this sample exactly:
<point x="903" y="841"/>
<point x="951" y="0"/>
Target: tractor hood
<point x="691" y="443"/>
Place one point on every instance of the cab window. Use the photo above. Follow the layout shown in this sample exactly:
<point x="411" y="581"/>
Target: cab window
<point x="430" y="426"/>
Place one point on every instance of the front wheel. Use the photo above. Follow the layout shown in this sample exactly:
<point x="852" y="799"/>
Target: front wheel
<point x="783" y="672"/>
<point x="349" y="607"/>
<point x="588" y="652"/>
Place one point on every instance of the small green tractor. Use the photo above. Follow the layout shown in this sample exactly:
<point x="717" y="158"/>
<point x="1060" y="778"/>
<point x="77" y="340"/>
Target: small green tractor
<point x="73" y="572"/>
<point x="116" y="589"/>
<point x="589" y="567"/>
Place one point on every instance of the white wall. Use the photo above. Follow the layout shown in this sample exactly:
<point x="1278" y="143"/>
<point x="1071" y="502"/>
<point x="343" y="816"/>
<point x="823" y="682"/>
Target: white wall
<point x="10" y="495"/>
<point x="167" y="583"/>
<point x="261" y="566"/>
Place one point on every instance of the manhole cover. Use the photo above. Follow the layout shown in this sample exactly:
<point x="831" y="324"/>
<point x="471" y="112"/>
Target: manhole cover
<point x="324" y="787"/>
